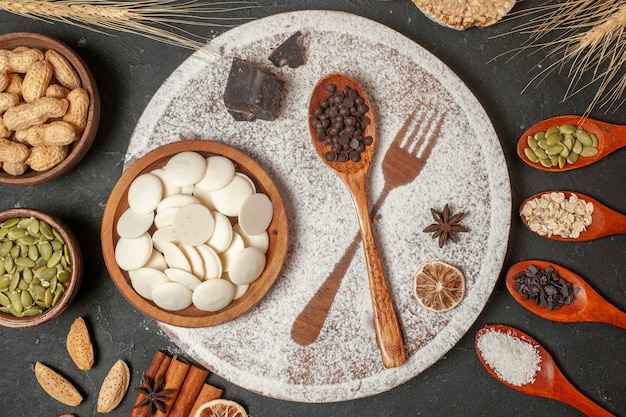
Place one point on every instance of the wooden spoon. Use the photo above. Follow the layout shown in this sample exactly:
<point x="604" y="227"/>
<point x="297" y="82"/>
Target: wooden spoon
<point x="354" y="175"/>
<point x="549" y="381"/>
<point x="611" y="137"/>
<point x="604" y="221"/>
<point x="589" y="306"/>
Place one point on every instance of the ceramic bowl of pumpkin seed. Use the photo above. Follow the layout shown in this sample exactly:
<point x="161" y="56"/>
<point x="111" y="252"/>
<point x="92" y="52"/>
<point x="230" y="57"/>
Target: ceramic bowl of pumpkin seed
<point x="40" y="267"/>
<point x="49" y="108"/>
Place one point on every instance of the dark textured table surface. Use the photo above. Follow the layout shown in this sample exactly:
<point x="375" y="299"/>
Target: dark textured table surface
<point x="129" y="69"/>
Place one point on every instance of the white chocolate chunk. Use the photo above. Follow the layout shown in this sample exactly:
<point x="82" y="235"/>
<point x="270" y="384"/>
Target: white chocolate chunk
<point x="228" y="200"/>
<point x="144" y="280"/>
<point x="132" y="224"/>
<point x="213" y="294"/>
<point x="256" y="214"/>
<point x="246" y="266"/>
<point x="219" y="172"/>
<point x="223" y="233"/>
<point x="144" y="193"/>
<point x="211" y="262"/>
<point x="131" y="254"/>
<point x="187" y="279"/>
<point x="185" y="168"/>
<point x="193" y="224"/>
<point x="172" y="296"/>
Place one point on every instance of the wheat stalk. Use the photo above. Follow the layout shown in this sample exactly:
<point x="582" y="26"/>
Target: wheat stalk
<point x="586" y="36"/>
<point x="154" y="19"/>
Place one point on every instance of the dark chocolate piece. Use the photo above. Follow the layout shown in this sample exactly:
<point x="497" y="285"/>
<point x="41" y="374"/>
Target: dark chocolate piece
<point x="252" y="93"/>
<point x="289" y="52"/>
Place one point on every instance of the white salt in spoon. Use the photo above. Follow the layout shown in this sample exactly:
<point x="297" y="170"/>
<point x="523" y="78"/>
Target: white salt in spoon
<point x="549" y="381"/>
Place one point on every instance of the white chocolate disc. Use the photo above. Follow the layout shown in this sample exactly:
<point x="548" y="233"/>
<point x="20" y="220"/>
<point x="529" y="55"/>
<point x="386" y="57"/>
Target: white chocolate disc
<point x="176" y="200"/>
<point x="172" y="296"/>
<point x="246" y="266"/>
<point x="240" y="291"/>
<point x="144" y="280"/>
<point x="175" y="258"/>
<point x="164" y="218"/>
<point x="187" y="279"/>
<point x="194" y="258"/>
<point x="213" y="294"/>
<point x="260" y="241"/>
<point x="163" y="236"/>
<point x="223" y="233"/>
<point x="144" y="193"/>
<point x="219" y="172"/>
<point x="193" y="224"/>
<point x="131" y="224"/>
<point x="185" y="168"/>
<point x="236" y="245"/>
<point x="156" y="261"/>
<point x="168" y="188"/>
<point x="228" y="199"/>
<point x="205" y="197"/>
<point x="131" y="254"/>
<point x="211" y="261"/>
<point x="256" y="214"/>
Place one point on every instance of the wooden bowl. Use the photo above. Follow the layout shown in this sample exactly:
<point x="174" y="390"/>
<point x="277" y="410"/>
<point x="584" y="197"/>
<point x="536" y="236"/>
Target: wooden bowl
<point x="77" y="149"/>
<point x="277" y="230"/>
<point x="71" y="290"/>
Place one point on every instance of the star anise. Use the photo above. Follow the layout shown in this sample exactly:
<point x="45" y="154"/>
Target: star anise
<point x="447" y="225"/>
<point x="155" y="395"/>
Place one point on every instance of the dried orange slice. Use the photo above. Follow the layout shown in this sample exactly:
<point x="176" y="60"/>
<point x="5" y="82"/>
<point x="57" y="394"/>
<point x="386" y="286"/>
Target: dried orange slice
<point x="439" y="286"/>
<point x="221" y="408"/>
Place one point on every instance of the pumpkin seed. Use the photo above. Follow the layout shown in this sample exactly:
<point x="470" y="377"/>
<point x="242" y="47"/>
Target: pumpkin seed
<point x="56" y="245"/>
<point x="33" y="252"/>
<point x="63" y="276"/>
<point x="4" y="300"/>
<point x="46" y="230"/>
<point x="553" y="138"/>
<point x="572" y="158"/>
<point x="15" y="279"/>
<point x="26" y="299"/>
<point x="45" y="249"/>
<point x="48" y="297"/>
<point x="532" y="142"/>
<point x="7" y="224"/>
<point x="37" y="291"/>
<point x="25" y="262"/>
<point x="33" y="311"/>
<point x="5" y="248"/>
<point x="16" y="233"/>
<point x="589" y="151"/>
<point x="16" y="301"/>
<point x="55" y="258"/>
<point x="531" y="155"/>
<point x="567" y="128"/>
<point x="33" y="226"/>
<point x="554" y="149"/>
<point x="47" y="274"/>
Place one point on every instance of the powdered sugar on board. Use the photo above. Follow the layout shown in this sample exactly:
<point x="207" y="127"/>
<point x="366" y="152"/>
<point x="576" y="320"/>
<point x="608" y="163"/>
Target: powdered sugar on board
<point x="466" y="169"/>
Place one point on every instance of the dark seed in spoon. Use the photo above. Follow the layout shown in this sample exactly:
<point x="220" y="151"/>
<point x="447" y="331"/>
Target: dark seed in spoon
<point x="340" y="122"/>
<point x="545" y="287"/>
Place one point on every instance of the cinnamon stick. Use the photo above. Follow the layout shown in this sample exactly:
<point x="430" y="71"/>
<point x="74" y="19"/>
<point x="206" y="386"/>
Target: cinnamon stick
<point x="207" y="393"/>
<point x="160" y="363"/>
<point x="174" y="379"/>
<point x="189" y="392"/>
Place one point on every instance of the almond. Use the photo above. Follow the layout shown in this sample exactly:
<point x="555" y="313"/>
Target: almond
<point x="114" y="387"/>
<point x="79" y="345"/>
<point x="57" y="386"/>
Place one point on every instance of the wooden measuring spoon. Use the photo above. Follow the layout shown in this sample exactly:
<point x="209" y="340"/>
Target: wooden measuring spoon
<point x="354" y="175"/>
<point x="611" y="137"/>
<point x="549" y="381"/>
<point x="604" y="221"/>
<point x="588" y="306"/>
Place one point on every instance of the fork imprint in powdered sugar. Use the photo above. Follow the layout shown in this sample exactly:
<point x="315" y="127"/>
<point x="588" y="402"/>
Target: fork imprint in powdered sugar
<point x="402" y="163"/>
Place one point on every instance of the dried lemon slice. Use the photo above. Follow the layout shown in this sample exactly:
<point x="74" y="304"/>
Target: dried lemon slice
<point x="439" y="286"/>
<point x="461" y="14"/>
<point x="221" y="408"/>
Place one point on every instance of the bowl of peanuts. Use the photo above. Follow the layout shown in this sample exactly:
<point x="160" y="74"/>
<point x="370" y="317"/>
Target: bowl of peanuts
<point x="49" y="108"/>
<point x="40" y="267"/>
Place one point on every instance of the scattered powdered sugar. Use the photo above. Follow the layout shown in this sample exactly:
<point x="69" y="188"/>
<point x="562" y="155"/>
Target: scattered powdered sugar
<point x="466" y="169"/>
<point x="514" y="360"/>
